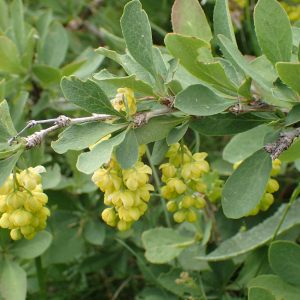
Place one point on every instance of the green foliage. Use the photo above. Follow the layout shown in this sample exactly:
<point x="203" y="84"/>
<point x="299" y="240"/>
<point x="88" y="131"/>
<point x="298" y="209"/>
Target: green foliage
<point x="195" y="87"/>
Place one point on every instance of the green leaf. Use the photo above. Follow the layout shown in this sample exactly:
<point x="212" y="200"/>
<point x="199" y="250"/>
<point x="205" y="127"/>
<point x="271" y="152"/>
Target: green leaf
<point x="94" y="232"/>
<point x="160" y="149"/>
<point x="246" y="186"/>
<point x="246" y="143"/>
<point x="91" y="65"/>
<point x="44" y="21"/>
<point x="6" y="167"/>
<point x="280" y="288"/>
<point x="241" y="61"/>
<point x="293" y="116"/>
<point x="227" y="123"/>
<point x="10" y="61"/>
<point x="289" y="73"/>
<point x="89" y="162"/>
<point x="157" y="128"/>
<point x="69" y="69"/>
<point x="13" y="281"/>
<point x="55" y="45"/>
<point x="129" y="82"/>
<point x="284" y="257"/>
<point x="3" y="15"/>
<point x="264" y="67"/>
<point x="292" y="153"/>
<point x="29" y="249"/>
<point x="139" y="40"/>
<point x="255" y="237"/>
<point x="198" y="100"/>
<point x="27" y="57"/>
<point x="47" y="75"/>
<point x="273" y="31"/>
<point x="88" y="95"/>
<point x="188" y="50"/>
<point x="51" y="178"/>
<point x="188" y="18"/>
<point x="18" y="107"/>
<point x="163" y="244"/>
<point x="6" y="120"/>
<point x="127" y="152"/>
<point x="18" y="25"/>
<point x="81" y="136"/>
<point x="177" y="133"/>
<point x="256" y="293"/>
<point x="222" y="20"/>
<point x="244" y="89"/>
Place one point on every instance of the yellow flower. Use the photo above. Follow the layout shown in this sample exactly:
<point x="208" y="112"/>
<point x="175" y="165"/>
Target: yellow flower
<point x="105" y="179"/>
<point x="179" y="216"/>
<point x="196" y="168"/>
<point x="276" y="166"/>
<point x="22" y="218"/>
<point x="16" y="199"/>
<point x="142" y="150"/>
<point x="168" y="170"/>
<point x="108" y="215"/>
<point x="143" y="191"/>
<point x="31" y="177"/>
<point x="118" y="103"/>
<point x="168" y="193"/>
<point x="15" y="234"/>
<point x="199" y="202"/>
<point x="187" y="201"/>
<point x="191" y="216"/>
<point x="5" y="221"/>
<point x="7" y="186"/>
<point x="172" y="206"/>
<point x="197" y="185"/>
<point x="122" y="198"/>
<point x="177" y="185"/>
<point x="272" y="186"/>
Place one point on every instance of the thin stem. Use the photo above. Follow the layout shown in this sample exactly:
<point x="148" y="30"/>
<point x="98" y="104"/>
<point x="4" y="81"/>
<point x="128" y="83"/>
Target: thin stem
<point x="197" y="137"/>
<point x="41" y="278"/>
<point x="158" y="183"/>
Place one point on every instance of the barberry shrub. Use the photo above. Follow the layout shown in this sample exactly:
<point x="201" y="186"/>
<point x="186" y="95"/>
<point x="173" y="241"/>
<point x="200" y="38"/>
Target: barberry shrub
<point x="208" y="227"/>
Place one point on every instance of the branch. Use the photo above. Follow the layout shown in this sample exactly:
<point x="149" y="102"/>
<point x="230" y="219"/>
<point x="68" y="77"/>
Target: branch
<point x="63" y="121"/>
<point x="257" y="107"/>
<point x="284" y="142"/>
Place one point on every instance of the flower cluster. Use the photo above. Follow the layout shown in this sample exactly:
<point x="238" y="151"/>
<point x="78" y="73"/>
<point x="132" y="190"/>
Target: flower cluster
<point x="118" y="102"/>
<point x="273" y="186"/>
<point x="22" y="203"/>
<point x="125" y="191"/>
<point x="184" y="189"/>
<point x="293" y="11"/>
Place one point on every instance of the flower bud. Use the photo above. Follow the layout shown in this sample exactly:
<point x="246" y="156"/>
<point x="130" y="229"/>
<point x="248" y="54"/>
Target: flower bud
<point x="30" y="236"/>
<point x="16" y="199"/>
<point x="5" y="221"/>
<point x="191" y="216"/>
<point x="22" y="218"/>
<point x="7" y="186"/>
<point x="32" y="204"/>
<point x="272" y="186"/>
<point x="123" y="226"/>
<point x="179" y="216"/>
<point x="176" y="184"/>
<point x="168" y="170"/>
<point x="28" y="229"/>
<point x="31" y="177"/>
<point x="275" y="167"/>
<point x="187" y="201"/>
<point x="199" y="202"/>
<point x="108" y="215"/>
<point x="42" y="226"/>
<point x="135" y="213"/>
<point x="172" y="206"/>
<point x="143" y="208"/>
<point x="15" y="234"/>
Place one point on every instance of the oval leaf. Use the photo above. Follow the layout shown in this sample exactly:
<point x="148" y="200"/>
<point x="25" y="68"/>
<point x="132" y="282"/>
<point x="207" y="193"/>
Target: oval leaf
<point x="247" y="184"/>
<point x="94" y="232"/>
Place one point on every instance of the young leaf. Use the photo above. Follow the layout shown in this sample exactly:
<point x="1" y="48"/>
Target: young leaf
<point x="127" y="152"/>
<point x="29" y="249"/>
<point x="72" y="67"/>
<point x="13" y="281"/>
<point x="257" y="293"/>
<point x="47" y="75"/>
<point x="255" y="237"/>
<point x="177" y="133"/>
<point x="53" y="54"/>
<point x="273" y="31"/>
<point x="226" y="124"/>
<point x="163" y="244"/>
<point x="157" y="128"/>
<point x="241" y="61"/>
<point x="188" y="18"/>
<point x="18" y="107"/>
<point x="187" y="50"/>
<point x="199" y="100"/>
<point x="279" y="287"/>
<point x="9" y="61"/>
<point x="6" y="120"/>
<point x="293" y="116"/>
<point x="244" y="89"/>
<point x="81" y="136"/>
<point x="222" y="20"/>
<point x="44" y="22"/>
<point x="18" y="25"/>
<point x="88" y="95"/>
<point x="6" y="167"/>
<point x="139" y="40"/>
<point x="246" y="186"/>
<point x="27" y="57"/>
<point x="89" y="162"/>
<point x="284" y="258"/>
<point x="160" y="149"/>
<point x="129" y="81"/>
<point x="288" y="73"/>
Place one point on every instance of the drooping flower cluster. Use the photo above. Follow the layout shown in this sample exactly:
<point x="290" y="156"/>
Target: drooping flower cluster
<point x="125" y="191"/>
<point x="184" y="188"/>
<point x="273" y="186"/>
<point x="119" y="104"/>
<point x="22" y="204"/>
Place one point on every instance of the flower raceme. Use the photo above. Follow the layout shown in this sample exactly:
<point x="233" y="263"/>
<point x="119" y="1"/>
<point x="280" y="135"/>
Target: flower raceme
<point x="184" y="188"/>
<point x="22" y="204"/>
<point x="125" y="191"/>
<point x="119" y="104"/>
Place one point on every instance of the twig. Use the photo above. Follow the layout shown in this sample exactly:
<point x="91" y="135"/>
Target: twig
<point x="259" y="107"/>
<point x="283" y="143"/>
